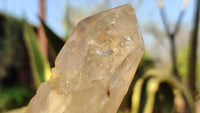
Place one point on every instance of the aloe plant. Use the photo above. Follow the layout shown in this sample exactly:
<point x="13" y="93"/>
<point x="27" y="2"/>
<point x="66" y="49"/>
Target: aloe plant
<point x="154" y="88"/>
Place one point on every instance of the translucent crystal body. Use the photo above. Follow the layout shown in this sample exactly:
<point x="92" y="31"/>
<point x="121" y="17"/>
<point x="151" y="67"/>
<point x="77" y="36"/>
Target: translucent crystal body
<point x="95" y="67"/>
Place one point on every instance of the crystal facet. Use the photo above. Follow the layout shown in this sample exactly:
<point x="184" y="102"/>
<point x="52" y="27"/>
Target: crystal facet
<point x="95" y="67"/>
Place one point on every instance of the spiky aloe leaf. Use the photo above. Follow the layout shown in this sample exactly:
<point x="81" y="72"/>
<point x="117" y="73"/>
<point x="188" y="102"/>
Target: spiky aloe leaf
<point x="39" y="64"/>
<point x="151" y="89"/>
<point x="136" y="99"/>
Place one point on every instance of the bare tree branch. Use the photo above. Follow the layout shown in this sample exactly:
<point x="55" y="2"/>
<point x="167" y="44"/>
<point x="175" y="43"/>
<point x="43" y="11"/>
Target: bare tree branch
<point x="41" y="34"/>
<point x="172" y="34"/>
<point x="193" y="50"/>
<point x="165" y="20"/>
<point x="178" y="23"/>
<point x="185" y="4"/>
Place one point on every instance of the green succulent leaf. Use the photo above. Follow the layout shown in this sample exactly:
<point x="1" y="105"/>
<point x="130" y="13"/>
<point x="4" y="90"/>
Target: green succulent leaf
<point x="39" y="64"/>
<point x="151" y="89"/>
<point x="137" y="90"/>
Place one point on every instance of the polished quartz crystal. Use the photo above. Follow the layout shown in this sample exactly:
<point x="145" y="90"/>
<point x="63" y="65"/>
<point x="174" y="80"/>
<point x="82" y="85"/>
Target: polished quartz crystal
<point x="95" y="67"/>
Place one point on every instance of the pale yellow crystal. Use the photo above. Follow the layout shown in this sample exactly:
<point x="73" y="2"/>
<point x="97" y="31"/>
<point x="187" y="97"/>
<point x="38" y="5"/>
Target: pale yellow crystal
<point x="95" y="67"/>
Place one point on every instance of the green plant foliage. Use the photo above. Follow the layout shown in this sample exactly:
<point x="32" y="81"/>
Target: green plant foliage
<point x="154" y="92"/>
<point x="14" y="97"/>
<point x="151" y="89"/>
<point x="39" y="64"/>
<point x="182" y="61"/>
<point x="182" y="65"/>
<point x="146" y="63"/>
<point x="11" y="47"/>
<point x="18" y="110"/>
<point x="13" y="59"/>
<point x="55" y="43"/>
<point x="137" y="95"/>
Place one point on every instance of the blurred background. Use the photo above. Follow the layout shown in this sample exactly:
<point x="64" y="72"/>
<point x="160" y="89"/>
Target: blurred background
<point x="169" y="29"/>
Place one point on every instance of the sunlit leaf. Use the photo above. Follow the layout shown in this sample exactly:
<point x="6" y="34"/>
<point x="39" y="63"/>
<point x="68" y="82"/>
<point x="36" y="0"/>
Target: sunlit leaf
<point x="136" y="99"/>
<point x="152" y="88"/>
<point x="39" y="64"/>
<point x="18" y="110"/>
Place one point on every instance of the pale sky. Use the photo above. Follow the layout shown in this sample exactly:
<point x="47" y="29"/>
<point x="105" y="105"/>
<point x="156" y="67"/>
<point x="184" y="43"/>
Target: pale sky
<point x="56" y="9"/>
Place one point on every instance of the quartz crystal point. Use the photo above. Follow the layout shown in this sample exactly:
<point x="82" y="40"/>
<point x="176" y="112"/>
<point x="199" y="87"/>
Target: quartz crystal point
<point x="95" y="67"/>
